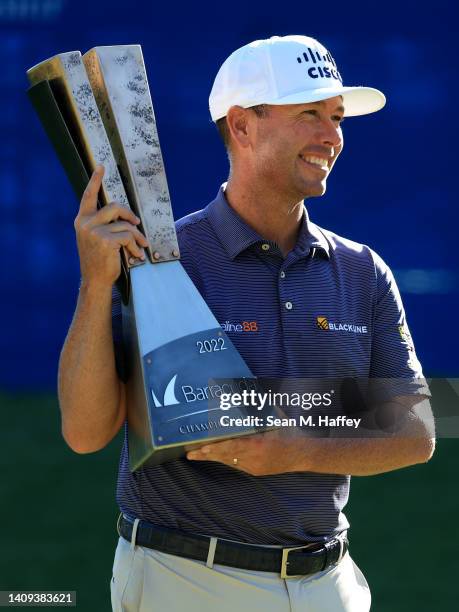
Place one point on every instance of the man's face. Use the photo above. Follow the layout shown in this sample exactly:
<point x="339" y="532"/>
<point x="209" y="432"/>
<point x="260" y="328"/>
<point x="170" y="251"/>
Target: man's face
<point x="296" y="145"/>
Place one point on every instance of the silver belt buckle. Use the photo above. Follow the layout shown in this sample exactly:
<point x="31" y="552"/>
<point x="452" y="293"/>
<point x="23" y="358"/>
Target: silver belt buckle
<point x="284" y="562"/>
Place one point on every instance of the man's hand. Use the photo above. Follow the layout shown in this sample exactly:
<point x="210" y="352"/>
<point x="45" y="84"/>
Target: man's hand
<point x="101" y="233"/>
<point x="262" y="454"/>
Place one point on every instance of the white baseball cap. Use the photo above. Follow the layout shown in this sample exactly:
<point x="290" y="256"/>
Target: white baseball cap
<point x="286" y="70"/>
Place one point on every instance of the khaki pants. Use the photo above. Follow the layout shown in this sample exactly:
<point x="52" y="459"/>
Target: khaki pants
<point x="146" y="580"/>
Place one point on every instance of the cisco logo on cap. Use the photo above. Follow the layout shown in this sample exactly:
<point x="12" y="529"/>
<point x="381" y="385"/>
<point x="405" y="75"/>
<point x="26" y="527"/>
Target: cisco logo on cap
<point x="319" y="65"/>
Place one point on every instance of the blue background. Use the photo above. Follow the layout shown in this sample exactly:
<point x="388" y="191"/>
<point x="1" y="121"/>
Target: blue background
<point x="392" y="187"/>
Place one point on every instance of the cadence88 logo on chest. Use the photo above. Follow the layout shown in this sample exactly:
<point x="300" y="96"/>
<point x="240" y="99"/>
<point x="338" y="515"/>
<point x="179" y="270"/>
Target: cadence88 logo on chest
<point x="240" y="327"/>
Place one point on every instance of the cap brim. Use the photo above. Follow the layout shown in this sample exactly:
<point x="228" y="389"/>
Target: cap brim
<point x="356" y="100"/>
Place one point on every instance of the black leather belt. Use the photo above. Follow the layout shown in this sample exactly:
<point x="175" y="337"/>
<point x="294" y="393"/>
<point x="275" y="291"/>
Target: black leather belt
<point x="289" y="562"/>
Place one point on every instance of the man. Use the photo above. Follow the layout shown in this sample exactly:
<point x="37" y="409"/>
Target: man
<point x="212" y="531"/>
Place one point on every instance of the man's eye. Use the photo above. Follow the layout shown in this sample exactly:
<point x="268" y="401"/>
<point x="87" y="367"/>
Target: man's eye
<point x="310" y="112"/>
<point x="338" y="119"/>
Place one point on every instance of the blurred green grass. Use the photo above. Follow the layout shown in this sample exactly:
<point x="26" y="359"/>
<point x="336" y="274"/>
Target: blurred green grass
<point x="59" y="514"/>
<point x="404" y="534"/>
<point x="59" y="510"/>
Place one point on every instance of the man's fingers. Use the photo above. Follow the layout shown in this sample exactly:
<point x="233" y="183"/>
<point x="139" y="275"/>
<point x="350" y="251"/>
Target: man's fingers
<point x="232" y="446"/>
<point x="88" y="203"/>
<point x="113" y="212"/>
<point x="217" y="451"/>
<point x="124" y="226"/>
<point x="127" y="240"/>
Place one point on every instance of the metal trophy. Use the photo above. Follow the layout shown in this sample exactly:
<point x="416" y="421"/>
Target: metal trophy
<point x="97" y="109"/>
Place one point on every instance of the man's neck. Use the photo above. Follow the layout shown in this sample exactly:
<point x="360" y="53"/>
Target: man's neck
<point x="273" y="217"/>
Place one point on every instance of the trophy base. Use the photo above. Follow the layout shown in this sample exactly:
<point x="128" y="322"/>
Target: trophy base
<point x="177" y="351"/>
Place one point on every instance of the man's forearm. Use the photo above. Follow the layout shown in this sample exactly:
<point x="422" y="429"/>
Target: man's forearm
<point x="291" y="450"/>
<point x="364" y="457"/>
<point x="90" y="393"/>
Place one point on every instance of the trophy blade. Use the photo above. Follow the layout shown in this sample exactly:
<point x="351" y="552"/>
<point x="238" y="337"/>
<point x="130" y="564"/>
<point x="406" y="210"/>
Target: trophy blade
<point x="47" y="108"/>
<point x="118" y="78"/>
<point x="69" y="83"/>
<point x="62" y="96"/>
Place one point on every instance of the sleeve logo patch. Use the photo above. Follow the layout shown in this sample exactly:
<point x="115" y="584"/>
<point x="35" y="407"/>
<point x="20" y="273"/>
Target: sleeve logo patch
<point x="406" y="336"/>
<point x="402" y="332"/>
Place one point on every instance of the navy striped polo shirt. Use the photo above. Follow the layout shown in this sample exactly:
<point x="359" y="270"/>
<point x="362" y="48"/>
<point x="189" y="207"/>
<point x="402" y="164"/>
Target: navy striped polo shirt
<point x="330" y="308"/>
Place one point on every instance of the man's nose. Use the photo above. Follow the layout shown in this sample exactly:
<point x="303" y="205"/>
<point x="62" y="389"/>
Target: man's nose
<point x="332" y="135"/>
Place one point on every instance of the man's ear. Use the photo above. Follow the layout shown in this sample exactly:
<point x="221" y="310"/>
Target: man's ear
<point x="238" y="122"/>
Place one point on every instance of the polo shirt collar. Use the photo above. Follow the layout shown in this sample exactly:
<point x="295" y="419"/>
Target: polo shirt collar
<point x="236" y="236"/>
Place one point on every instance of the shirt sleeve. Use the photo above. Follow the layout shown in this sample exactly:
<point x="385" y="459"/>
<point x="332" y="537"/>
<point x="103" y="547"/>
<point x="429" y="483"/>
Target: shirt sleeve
<point x="393" y="358"/>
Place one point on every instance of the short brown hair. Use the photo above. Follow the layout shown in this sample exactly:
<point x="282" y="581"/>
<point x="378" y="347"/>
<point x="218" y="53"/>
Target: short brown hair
<point x="261" y="110"/>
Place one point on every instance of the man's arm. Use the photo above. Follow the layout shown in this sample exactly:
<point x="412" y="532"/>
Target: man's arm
<point x="91" y="398"/>
<point x="290" y="450"/>
<point x="381" y="452"/>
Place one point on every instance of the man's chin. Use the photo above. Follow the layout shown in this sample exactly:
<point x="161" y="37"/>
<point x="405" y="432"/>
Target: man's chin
<point x="315" y="191"/>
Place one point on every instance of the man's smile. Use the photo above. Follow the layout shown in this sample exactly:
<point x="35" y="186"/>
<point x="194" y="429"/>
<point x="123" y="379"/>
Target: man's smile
<point x="316" y="162"/>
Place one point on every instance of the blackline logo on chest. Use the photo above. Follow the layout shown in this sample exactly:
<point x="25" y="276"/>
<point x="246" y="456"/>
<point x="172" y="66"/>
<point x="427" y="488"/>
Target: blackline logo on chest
<point x="325" y="325"/>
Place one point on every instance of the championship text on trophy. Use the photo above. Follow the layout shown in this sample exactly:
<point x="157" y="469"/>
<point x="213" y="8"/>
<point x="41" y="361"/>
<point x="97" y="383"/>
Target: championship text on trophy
<point x="97" y="109"/>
